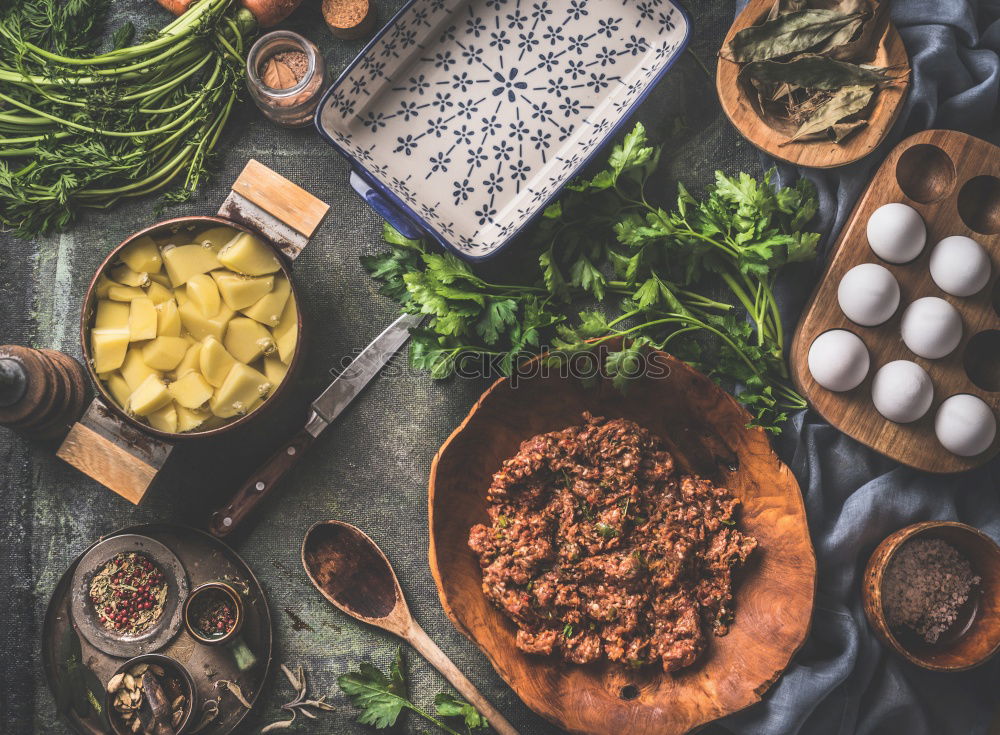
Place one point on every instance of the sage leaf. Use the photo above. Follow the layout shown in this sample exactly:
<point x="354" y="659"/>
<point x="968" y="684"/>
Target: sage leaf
<point x="817" y="72"/>
<point x="844" y="103"/>
<point x="785" y="35"/>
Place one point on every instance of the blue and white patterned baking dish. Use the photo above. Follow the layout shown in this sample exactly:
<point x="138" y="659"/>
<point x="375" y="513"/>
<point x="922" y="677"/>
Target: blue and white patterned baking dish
<point x="463" y="119"/>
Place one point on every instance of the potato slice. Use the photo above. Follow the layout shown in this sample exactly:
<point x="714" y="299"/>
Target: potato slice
<point x="161" y="278"/>
<point x="168" y="319"/>
<point x="164" y="419"/>
<point x="268" y="309"/>
<point x="185" y="261"/>
<point x="190" y="418"/>
<point x="134" y="368"/>
<point x="108" y="347"/>
<point x="215" y="361"/>
<point x="111" y="315"/>
<point x="247" y="340"/>
<point x="250" y="255"/>
<point x="275" y="369"/>
<point x="127" y="277"/>
<point x="215" y="238"/>
<point x="125" y="293"/>
<point x="240" y="393"/>
<point x="190" y="390"/>
<point x="164" y="353"/>
<point x="151" y="395"/>
<point x="142" y="320"/>
<point x="158" y="293"/>
<point x="201" y="326"/>
<point x="286" y="333"/>
<point x="118" y="387"/>
<point x="190" y="362"/>
<point x="239" y="291"/>
<point x="203" y="292"/>
<point x="102" y="286"/>
<point x="142" y="255"/>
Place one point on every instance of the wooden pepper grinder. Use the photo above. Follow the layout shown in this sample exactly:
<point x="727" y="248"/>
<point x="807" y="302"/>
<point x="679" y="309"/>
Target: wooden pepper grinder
<point x="42" y="392"/>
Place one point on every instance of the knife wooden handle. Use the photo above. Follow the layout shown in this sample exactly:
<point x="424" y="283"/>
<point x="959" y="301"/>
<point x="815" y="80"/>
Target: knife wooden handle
<point x="260" y="485"/>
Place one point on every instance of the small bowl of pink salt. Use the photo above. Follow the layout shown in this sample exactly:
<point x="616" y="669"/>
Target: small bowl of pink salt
<point x="931" y="591"/>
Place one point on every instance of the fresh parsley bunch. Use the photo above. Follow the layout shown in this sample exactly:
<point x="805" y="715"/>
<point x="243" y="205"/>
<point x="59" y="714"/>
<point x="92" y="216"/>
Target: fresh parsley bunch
<point x="604" y="239"/>
<point x="382" y="698"/>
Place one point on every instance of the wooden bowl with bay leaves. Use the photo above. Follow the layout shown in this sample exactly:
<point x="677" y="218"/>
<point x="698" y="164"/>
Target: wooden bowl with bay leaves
<point x="707" y="432"/>
<point x="741" y="107"/>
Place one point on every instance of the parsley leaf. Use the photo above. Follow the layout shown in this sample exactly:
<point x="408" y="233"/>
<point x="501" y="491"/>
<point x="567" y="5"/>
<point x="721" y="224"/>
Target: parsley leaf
<point x="382" y="698"/>
<point x="448" y="705"/>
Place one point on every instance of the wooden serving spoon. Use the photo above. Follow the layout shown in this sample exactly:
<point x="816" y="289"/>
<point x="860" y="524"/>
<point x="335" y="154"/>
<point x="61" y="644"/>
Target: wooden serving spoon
<point x="351" y="571"/>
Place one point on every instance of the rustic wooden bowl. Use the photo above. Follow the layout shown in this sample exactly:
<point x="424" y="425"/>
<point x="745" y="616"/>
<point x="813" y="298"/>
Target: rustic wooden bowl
<point x="742" y="112"/>
<point x="706" y="430"/>
<point x="975" y="637"/>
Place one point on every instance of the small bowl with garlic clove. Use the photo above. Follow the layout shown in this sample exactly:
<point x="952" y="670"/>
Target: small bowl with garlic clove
<point x="931" y="592"/>
<point x="149" y="692"/>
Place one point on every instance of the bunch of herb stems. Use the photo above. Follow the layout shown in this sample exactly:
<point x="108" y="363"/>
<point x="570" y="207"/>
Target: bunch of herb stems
<point x="203" y="46"/>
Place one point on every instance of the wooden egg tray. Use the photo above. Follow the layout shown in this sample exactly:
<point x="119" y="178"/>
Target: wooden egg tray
<point x="953" y="181"/>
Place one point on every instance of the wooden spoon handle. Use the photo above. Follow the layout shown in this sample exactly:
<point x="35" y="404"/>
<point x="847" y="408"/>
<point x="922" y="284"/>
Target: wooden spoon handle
<point x="437" y="658"/>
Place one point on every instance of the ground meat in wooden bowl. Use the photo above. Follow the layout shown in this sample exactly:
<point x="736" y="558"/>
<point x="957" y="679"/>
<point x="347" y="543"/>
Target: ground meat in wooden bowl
<point x="599" y="548"/>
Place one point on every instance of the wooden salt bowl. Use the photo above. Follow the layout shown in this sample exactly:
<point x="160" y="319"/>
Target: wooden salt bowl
<point x="706" y="431"/>
<point x="975" y="636"/>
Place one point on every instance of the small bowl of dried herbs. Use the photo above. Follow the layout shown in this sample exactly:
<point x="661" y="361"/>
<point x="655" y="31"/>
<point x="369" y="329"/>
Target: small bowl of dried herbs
<point x="931" y="591"/>
<point x="150" y="694"/>
<point x="128" y="594"/>
<point x="213" y="613"/>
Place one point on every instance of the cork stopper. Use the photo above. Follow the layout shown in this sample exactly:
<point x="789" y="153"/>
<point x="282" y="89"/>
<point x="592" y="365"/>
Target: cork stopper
<point x="349" y="19"/>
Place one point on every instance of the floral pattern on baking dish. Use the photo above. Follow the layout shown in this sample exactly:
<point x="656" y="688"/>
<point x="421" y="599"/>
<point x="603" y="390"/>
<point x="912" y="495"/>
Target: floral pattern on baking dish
<point x="471" y="115"/>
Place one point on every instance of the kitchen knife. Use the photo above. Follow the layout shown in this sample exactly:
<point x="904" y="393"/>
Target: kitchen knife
<point x="324" y="411"/>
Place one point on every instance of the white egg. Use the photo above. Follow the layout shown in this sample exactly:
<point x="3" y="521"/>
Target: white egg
<point x="838" y="360"/>
<point x="896" y="232"/>
<point x="965" y="425"/>
<point x="960" y="266"/>
<point x="931" y="327"/>
<point x="902" y="391"/>
<point x="868" y="294"/>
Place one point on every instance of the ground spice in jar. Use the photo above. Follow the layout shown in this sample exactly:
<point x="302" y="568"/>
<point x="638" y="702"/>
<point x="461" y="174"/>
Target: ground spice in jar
<point x="213" y="615"/>
<point x="924" y="587"/>
<point x="128" y="593"/>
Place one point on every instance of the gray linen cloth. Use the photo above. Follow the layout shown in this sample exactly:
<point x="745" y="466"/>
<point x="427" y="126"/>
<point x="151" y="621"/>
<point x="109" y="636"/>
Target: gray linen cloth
<point x="844" y="681"/>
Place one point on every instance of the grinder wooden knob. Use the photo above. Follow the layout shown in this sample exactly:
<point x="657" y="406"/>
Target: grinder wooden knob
<point x="42" y="392"/>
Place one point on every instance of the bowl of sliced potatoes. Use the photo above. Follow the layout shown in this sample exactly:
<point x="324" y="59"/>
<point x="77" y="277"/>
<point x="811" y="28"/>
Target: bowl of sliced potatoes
<point x="190" y="327"/>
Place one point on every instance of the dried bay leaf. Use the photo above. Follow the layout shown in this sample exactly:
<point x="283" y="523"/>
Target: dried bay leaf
<point x="812" y="71"/>
<point x="841" y="105"/>
<point x="785" y="35"/>
<point x="784" y="7"/>
<point x="864" y="47"/>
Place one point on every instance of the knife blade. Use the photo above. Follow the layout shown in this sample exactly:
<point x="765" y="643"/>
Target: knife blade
<point x="323" y="411"/>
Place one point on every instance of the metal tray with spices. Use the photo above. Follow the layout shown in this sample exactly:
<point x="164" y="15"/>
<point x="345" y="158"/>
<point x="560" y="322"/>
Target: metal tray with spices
<point x="77" y="672"/>
<point x="463" y="119"/>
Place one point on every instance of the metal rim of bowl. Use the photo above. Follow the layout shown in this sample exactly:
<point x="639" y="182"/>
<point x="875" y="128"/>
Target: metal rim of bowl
<point x="901" y="537"/>
<point x="161" y="632"/>
<point x="234" y="597"/>
<point x="89" y="305"/>
<point x="160" y="660"/>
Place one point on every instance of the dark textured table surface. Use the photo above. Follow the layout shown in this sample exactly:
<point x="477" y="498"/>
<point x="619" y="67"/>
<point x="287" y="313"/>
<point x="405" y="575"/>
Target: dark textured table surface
<point x="370" y="468"/>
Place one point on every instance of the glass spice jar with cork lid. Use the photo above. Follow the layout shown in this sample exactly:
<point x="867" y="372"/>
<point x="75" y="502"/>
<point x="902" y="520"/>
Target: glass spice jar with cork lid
<point x="286" y="77"/>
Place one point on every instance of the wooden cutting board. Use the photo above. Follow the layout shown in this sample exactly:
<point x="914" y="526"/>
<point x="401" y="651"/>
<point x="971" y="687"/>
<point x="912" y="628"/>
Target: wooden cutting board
<point x="953" y="181"/>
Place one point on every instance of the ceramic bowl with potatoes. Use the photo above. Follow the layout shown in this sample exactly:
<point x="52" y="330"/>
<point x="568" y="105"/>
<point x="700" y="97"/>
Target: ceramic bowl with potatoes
<point x="191" y="326"/>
